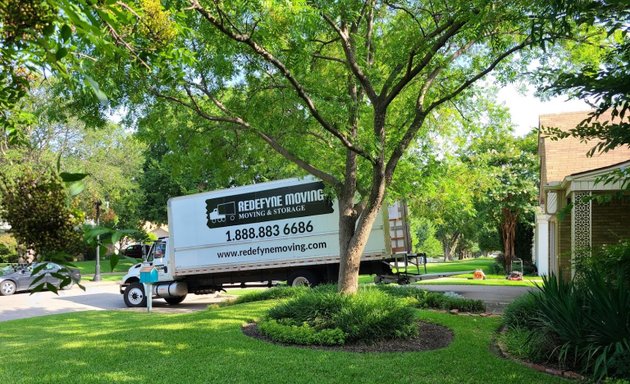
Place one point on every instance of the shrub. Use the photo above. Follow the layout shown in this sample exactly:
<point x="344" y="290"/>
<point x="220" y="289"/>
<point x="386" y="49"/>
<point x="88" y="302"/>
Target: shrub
<point x="612" y="261"/>
<point x="498" y="267"/>
<point x="590" y="318"/>
<point x="436" y="300"/>
<point x="439" y="300"/>
<point x="301" y="334"/>
<point x="368" y="315"/>
<point x="281" y="292"/>
<point x="527" y="344"/>
<point x="522" y="312"/>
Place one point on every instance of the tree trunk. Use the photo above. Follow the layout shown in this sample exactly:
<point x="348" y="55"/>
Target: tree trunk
<point x="352" y="241"/>
<point x="449" y="245"/>
<point x="508" y="233"/>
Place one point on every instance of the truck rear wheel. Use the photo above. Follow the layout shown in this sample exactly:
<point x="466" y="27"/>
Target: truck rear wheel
<point x="174" y="300"/>
<point x="134" y="295"/>
<point x="303" y="279"/>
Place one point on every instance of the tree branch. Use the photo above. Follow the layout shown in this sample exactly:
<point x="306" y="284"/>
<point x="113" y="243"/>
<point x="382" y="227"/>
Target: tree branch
<point x="411" y="73"/>
<point x="267" y="56"/>
<point x="436" y="71"/>
<point x="317" y="56"/>
<point x="352" y="61"/>
<point x="270" y="140"/>
<point x="479" y="75"/>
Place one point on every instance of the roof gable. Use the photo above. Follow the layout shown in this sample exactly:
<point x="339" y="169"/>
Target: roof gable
<point x="561" y="158"/>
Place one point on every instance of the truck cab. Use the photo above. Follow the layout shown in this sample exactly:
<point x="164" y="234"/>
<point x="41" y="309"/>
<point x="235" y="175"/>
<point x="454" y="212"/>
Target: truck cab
<point x="133" y="290"/>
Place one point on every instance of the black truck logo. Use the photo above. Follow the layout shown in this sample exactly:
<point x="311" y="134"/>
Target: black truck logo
<point x="222" y="213"/>
<point x="299" y="200"/>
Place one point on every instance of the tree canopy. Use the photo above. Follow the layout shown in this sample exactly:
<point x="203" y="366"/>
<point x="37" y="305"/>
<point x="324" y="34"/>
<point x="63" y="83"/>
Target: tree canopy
<point x="341" y="90"/>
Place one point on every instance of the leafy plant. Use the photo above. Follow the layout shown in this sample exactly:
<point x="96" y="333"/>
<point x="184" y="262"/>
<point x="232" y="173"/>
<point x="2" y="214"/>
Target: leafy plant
<point x="367" y="316"/>
<point x="522" y="312"/>
<point x="303" y="334"/>
<point x="528" y="344"/>
<point x="590" y="318"/>
<point x="35" y="205"/>
<point x="280" y="292"/>
<point x="435" y="300"/>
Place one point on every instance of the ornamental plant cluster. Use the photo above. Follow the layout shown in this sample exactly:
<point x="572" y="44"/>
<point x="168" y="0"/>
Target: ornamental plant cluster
<point x="321" y="316"/>
<point x="36" y="208"/>
<point x="325" y="317"/>
<point x="582" y="324"/>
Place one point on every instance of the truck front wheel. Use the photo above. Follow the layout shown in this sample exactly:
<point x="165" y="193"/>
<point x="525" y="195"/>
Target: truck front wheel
<point x="134" y="295"/>
<point x="303" y="279"/>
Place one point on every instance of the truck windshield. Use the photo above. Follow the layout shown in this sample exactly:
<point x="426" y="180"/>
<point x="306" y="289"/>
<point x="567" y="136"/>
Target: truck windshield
<point x="157" y="251"/>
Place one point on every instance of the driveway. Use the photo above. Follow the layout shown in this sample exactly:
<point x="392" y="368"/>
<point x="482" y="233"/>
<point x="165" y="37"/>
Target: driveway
<point x="495" y="297"/>
<point x="97" y="296"/>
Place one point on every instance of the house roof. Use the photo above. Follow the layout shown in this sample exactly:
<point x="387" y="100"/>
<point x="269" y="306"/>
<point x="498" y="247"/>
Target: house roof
<point x="602" y="170"/>
<point x="561" y="158"/>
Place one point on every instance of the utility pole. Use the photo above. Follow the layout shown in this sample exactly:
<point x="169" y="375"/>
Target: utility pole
<point x="97" y="273"/>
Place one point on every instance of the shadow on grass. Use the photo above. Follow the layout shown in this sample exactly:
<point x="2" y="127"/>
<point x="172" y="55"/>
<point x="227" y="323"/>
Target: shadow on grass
<point x="208" y="347"/>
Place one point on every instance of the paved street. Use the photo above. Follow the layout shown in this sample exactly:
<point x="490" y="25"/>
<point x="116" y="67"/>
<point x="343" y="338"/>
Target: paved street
<point x="98" y="296"/>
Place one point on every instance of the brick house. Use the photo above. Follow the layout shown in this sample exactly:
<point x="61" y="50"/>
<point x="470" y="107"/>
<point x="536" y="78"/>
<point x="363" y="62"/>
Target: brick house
<point x="566" y="176"/>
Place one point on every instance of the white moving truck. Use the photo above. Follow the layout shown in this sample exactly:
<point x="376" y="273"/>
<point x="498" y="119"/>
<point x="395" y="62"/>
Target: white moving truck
<point x="256" y="234"/>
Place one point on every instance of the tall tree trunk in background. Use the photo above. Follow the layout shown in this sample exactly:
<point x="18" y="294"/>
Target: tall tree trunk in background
<point x="508" y="233"/>
<point x="449" y="245"/>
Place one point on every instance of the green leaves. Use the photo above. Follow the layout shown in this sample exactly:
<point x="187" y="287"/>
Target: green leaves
<point x="74" y="182"/>
<point x="35" y="207"/>
<point x="100" y="95"/>
<point x="101" y="236"/>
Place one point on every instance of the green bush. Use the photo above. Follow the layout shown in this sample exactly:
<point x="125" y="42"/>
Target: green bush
<point x="611" y="260"/>
<point x="497" y="268"/>
<point x="301" y="334"/>
<point x="527" y="344"/>
<point x="439" y="300"/>
<point x="436" y="300"/>
<point x="368" y="315"/>
<point x="590" y="318"/>
<point x="522" y="312"/>
<point x="281" y="292"/>
<point x="7" y="255"/>
<point x="8" y="249"/>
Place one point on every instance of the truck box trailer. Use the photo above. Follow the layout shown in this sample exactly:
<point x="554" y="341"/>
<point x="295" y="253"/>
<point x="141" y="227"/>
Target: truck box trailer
<point x="255" y="235"/>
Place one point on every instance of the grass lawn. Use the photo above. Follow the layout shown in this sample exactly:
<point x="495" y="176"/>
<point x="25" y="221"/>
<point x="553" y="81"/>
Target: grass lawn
<point x="208" y="347"/>
<point x="89" y="266"/>
<point x="490" y="280"/>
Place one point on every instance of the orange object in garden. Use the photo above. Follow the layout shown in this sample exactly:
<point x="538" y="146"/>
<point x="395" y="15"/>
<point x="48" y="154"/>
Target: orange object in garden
<point x="479" y="275"/>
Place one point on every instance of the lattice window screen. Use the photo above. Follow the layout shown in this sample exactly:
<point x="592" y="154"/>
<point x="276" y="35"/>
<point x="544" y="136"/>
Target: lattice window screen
<point x="580" y="227"/>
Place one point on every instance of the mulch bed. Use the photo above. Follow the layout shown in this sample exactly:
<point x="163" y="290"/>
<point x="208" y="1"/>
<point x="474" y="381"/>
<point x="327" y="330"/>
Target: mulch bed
<point x="430" y="336"/>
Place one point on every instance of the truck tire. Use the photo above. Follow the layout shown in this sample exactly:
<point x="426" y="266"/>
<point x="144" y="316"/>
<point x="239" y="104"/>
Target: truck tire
<point x="303" y="278"/>
<point x="134" y="295"/>
<point x="174" y="300"/>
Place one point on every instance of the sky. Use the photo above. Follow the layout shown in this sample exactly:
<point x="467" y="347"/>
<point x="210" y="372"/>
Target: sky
<point x="525" y="109"/>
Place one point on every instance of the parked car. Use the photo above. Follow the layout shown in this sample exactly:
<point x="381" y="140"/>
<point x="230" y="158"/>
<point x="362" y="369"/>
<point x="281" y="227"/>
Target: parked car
<point x="136" y="250"/>
<point x="18" y="278"/>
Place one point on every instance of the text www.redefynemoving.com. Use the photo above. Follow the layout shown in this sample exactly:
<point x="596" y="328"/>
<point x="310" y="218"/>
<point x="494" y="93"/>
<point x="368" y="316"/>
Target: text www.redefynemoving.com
<point x="258" y="250"/>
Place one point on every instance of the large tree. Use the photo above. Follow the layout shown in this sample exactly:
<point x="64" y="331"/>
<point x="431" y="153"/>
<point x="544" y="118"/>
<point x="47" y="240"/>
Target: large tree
<point x="593" y="66"/>
<point x="340" y="89"/>
<point x="508" y="169"/>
